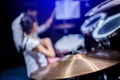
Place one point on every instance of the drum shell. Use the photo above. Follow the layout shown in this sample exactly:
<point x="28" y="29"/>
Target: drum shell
<point x="114" y="37"/>
<point x="114" y="40"/>
<point x="110" y="31"/>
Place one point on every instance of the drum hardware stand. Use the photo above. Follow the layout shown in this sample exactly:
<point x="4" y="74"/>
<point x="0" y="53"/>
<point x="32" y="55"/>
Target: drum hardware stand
<point x="119" y="77"/>
<point x="118" y="34"/>
<point x="74" y="78"/>
<point x="100" y="45"/>
<point x="103" y="43"/>
<point x="79" y="51"/>
<point x="104" y="76"/>
<point x="65" y="30"/>
<point x="115" y="33"/>
<point x="106" y="42"/>
<point x="77" y="78"/>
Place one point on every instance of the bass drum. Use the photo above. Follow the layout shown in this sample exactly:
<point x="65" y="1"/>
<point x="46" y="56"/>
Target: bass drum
<point x="88" y="27"/>
<point x="110" y="29"/>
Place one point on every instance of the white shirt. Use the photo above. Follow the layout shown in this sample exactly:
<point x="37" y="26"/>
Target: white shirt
<point x="18" y="33"/>
<point x="33" y="59"/>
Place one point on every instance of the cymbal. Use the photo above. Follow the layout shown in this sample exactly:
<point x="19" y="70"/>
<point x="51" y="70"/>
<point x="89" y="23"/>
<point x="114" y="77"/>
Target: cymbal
<point x="106" y="54"/>
<point x="65" y="26"/>
<point x="76" y="65"/>
<point x="103" y="6"/>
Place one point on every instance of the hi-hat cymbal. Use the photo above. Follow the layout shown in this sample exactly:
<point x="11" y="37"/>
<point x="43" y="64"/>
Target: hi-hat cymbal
<point x="65" y="26"/>
<point x="76" y="65"/>
<point x="103" y="6"/>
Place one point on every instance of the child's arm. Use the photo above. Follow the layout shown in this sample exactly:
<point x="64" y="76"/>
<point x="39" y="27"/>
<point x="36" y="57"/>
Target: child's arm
<point x="44" y="51"/>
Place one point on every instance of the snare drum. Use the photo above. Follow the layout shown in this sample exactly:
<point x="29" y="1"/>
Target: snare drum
<point x="110" y="29"/>
<point x="69" y="43"/>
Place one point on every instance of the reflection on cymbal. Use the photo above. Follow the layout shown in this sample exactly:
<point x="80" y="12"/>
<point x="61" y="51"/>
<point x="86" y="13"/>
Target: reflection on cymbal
<point x="65" y="26"/>
<point x="76" y="65"/>
<point x="103" y="6"/>
<point x="106" y="54"/>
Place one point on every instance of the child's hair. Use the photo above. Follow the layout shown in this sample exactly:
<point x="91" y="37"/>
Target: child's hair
<point x="27" y="23"/>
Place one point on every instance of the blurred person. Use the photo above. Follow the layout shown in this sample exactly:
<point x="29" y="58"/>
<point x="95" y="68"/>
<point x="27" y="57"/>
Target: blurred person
<point x="35" y="50"/>
<point x="29" y="9"/>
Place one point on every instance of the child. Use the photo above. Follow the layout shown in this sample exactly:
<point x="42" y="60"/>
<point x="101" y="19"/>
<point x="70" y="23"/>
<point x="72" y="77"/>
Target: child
<point x="35" y="50"/>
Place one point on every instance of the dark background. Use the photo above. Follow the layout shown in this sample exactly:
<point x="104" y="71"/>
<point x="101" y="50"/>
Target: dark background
<point x="9" y="10"/>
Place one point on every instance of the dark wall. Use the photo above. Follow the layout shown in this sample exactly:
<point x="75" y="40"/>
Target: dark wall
<point x="8" y="57"/>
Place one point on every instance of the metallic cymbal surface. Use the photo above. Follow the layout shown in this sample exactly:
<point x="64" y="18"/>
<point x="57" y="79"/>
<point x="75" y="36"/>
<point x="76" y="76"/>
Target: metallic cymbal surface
<point x="109" y="54"/>
<point x="76" y="65"/>
<point x="103" y="6"/>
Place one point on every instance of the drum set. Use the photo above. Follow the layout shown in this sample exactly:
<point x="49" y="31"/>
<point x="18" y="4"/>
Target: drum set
<point x="69" y="43"/>
<point x="104" y="32"/>
<point x="110" y="30"/>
